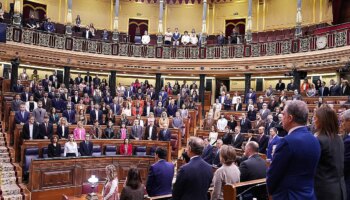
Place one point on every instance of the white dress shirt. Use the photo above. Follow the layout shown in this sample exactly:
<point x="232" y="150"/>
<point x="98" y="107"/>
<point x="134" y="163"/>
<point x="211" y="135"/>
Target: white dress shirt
<point x="31" y="127"/>
<point x="71" y="147"/>
<point x="221" y="124"/>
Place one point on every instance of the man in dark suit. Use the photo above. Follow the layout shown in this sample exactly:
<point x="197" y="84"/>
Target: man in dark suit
<point x="53" y="77"/>
<point x="296" y="95"/>
<point x="345" y="89"/>
<point x="254" y="167"/>
<point x="346" y="126"/>
<point x="264" y="112"/>
<point x="115" y="107"/>
<point x="238" y="138"/>
<point x="128" y="93"/>
<point x="193" y="179"/>
<point x="26" y="94"/>
<point x="58" y="103"/>
<point x="86" y="147"/>
<point x="334" y="88"/>
<point x="22" y="116"/>
<point x="216" y="153"/>
<point x="291" y="85"/>
<point x="76" y="98"/>
<point x="78" y="79"/>
<point x="164" y="135"/>
<point x="160" y="175"/>
<point x="47" y="102"/>
<point x="151" y="93"/>
<point x="87" y="34"/>
<point x="62" y="130"/>
<point x="250" y="95"/>
<point x="107" y="98"/>
<point x="18" y="88"/>
<point x="245" y="124"/>
<point x="150" y="132"/>
<point x="147" y="109"/>
<point x="323" y="90"/>
<point x="207" y="154"/>
<point x="269" y="124"/>
<point x="30" y="130"/>
<point x="16" y="103"/>
<point x="96" y="80"/>
<point x="136" y="131"/>
<point x="280" y="86"/>
<point x="263" y="140"/>
<point x="46" y="129"/>
<point x="293" y="167"/>
<point x="96" y="114"/>
<point x="69" y="114"/>
<point x="279" y="126"/>
<point x="172" y="108"/>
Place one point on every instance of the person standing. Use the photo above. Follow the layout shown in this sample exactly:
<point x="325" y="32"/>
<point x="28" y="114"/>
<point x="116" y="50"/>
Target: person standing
<point x="54" y="148"/>
<point x="329" y="179"/>
<point x="193" y="179"/>
<point x="86" y="146"/>
<point x="293" y="167"/>
<point x="228" y="173"/>
<point x="346" y="127"/>
<point x="110" y="188"/>
<point x="254" y="167"/>
<point x="160" y="175"/>
<point x="70" y="147"/>
<point x="133" y="189"/>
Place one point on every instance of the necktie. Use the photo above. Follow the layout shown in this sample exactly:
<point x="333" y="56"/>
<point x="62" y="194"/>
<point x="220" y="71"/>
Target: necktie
<point x="40" y="112"/>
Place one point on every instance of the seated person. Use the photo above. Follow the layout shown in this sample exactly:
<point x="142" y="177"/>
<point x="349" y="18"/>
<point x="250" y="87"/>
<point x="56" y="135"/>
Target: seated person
<point x="86" y="147"/>
<point x="54" y="148"/>
<point x="126" y="148"/>
<point x="145" y="38"/>
<point x="30" y="130"/>
<point x="254" y="167"/>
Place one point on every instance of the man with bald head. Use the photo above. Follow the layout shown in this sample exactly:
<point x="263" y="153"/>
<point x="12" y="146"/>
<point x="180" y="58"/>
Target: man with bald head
<point x="293" y="167"/>
<point x="193" y="179"/>
<point x="254" y="167"/>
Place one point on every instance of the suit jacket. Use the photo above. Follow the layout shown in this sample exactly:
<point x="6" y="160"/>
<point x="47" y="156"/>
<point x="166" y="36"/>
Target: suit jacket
<point x="335" y="90"/>
<point x="297" y="97"/>
<point x="96" y="81"/>
<point x="208" y="154"/>
<point x="264" y="114"/>
<point x="164" y="135"/>
<point x="87" y="78"/>
<point x="15" y="105"/>
<point x="268" y="126"/>
<point x="193" y="180"/>
<point x="280" y="129"/>
<point x="252" y="168"/>
<point x="247" y="125"/>
<point x="325" y="91"/>
<point x="78" y="80"/>
<point x="54" y="151"/>
<point x="263" y="141"/>
<point x="136" y="132"/>
<point x="85" y="149"/>
<point x="250" y="96"/>
<point x="46" y="131"/>
<point x="117" y="109"/>
<point x="291" y="87"/>
<point x="160" y="177"/>
<point x="88" y="34"/>
<point x="347" y="158"/>
<point x="39" y="114"/>
<point x="126" y="94"/>
<point x="70" y="117"/>
<point x="109" y="133"/>
<point x="25" y="96"/>
<point x="60" y="133"/>
<point x="26" y="132"/>
<point x="270" y="145"/>
<point x="153" y="134"/>
<point x="17" y="88"/>
<point x="48" y="105"/>
<point x="21" y="119"/>
<point x="237" y="143"/>
<point x="145" y="110"/>
<point x="172" y="110"/>
<point x="280" y="87"/>
<point x="58" y="103"/>
<point x="345" y="91"/>
<point x="238" y="107"/>
<point x="93" y="116"/>
<point x="251" y="115"/>
<point x="75" y="101"/>
<point x="293" y="167"/>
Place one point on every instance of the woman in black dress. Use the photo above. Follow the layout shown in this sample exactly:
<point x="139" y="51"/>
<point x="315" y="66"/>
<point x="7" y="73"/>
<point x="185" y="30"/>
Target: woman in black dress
<point x="54" y="149"/>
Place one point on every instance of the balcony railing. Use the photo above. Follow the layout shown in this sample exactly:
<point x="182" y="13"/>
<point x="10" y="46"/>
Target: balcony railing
<point x="334" y="38"/>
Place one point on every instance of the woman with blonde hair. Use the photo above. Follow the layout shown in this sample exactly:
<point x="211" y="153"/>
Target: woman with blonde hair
<point x="110" y="188"/>
<point x="163" y="120"/>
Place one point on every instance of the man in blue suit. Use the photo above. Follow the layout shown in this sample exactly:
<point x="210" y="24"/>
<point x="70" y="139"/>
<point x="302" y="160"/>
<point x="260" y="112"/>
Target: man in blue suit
<point x="293" y="167"/>
<point x="58" y="103"/>
<point x="128" y="93"/>
<point x="86" y="146"/>
<point x="346" y="126"/>
<point x="207" y="154"/>
<point x="22" y="116"/>
<point x="250" y="95"/>
<point x="194" y="178"/>
<point x="172" y="108"/>
<point x="115" y="107"/>
<point x="96" y="114"/>
<point x="164" y="135"/>
<point x="160" y="175"/>
<point x="273" y="141"/>
<point x="69" y="114"/>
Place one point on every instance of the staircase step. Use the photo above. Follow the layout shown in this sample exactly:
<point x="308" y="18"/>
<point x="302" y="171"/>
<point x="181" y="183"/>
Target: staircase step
<point x="8" y="181"/>
<point x="4" y="155"/>
<point x="5" y="160"/>
<point x="6" y="167"/>
<point x="3" y="149"/>
<point x="7" y="174"/>
<point x="13" y="197"/>
<point x="11" y="189"/>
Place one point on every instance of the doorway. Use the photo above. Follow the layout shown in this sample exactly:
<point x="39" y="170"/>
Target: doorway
<point x="137" y="27"/>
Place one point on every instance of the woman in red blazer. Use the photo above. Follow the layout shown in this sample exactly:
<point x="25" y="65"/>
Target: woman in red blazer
<point x="126" y="148"/>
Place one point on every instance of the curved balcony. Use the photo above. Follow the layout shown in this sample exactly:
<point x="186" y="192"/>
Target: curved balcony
<point x="265" y="57"/>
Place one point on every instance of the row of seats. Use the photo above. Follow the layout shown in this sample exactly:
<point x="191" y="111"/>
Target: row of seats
<point x="110" y="150"/>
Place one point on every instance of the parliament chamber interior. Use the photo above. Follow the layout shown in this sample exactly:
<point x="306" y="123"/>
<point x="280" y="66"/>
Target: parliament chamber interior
<point x="175" y="99"/>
